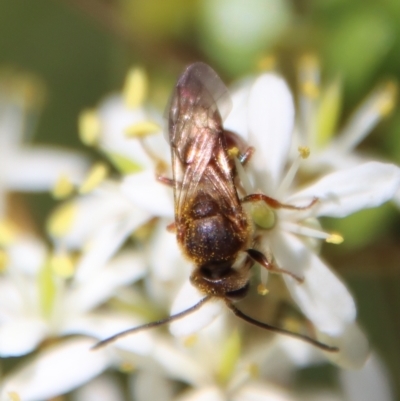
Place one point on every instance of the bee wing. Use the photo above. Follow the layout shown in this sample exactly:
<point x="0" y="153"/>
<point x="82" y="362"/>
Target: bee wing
<point x="195" y="131"/>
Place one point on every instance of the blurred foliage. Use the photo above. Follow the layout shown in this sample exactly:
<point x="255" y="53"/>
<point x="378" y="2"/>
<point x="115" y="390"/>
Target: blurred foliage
<point x="82" y="49"/>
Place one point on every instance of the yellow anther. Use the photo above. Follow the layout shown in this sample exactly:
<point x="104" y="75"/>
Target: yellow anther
<point x="89" y="126"/>
<point x="190" y="341"/>
<point x="13" y="396"/>
<point x="233" y="152"/>
<point x="62" y="265"/>
<point x="61" y="220"/>
<point x="127" y="367"/>
<point x="8" y="232"/>
<point x="95" y="177"/>
<point x="142" y="129"/>
<point x="253" y="370"/>
<point x="309" y="62"/>
<point x="292" y="325"/>
<point x="3" y="260"/>
<point x="310" y="89"/>
<point x="334" y="239"/>
<point x="304" y="151"/>
<point x="266" y="63"/>
<point x="63" y="187"/>
<point x="387" y="98"/>
<point x="135" y="88"/>
<point x="262" y="289"/>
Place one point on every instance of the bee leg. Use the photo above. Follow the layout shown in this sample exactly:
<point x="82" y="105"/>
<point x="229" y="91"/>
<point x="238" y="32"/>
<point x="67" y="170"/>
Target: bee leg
<point x="245" y="157"/>
<point x="275" y="203"/>
<point x="260" y="258"/>
<point x="171" y="228"/>
<point x="165" y="180"/>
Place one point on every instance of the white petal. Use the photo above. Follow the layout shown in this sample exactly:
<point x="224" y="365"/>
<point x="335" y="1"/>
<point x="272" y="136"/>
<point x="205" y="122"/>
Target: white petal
<point x="353" y="347"/>
<point x="21" y="336"/>
<point x="165" y="258"/>
<point x="145" y="192"/>
<point x="203" y="394"/>
<point x="187" y="297"/>
<point x="368" y="384"/>
<point x="104" y="325"/>
<point x="122" y="270"/>
<point x="105" y="243"/>
<point x="322" y="297"/>
<point x="115" y="118"/>
<point x="27" y="254"/>
<point x="57" y="370"/>
<point x="271" y="118"/>
<point x="38" y="169"/>
<point x="261" y="392"/>
<point x="180" y="364"/>
<point x="347" y="191"/>
<point x="102" y="388"/>
<point x="150" y="386"/>
<point x="237" y="120"/>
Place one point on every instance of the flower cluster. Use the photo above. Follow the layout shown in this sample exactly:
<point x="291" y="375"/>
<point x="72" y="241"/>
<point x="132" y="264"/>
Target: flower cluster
<point x="112" y="264"/>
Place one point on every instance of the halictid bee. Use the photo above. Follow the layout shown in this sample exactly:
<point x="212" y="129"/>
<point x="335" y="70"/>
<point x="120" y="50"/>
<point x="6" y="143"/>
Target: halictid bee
<point x="212" y="227"/>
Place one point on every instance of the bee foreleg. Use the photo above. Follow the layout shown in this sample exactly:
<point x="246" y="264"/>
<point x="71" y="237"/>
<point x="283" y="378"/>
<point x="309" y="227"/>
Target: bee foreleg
<point x="275" y="203"/>
<point x="260" y="258"/>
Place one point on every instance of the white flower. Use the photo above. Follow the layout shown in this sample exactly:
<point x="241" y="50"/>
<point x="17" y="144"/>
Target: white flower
<point x="23" y="167"/>
<point x="268" y="113"/>
<point x="42" y="298"/>
<point x="108" y="210"/>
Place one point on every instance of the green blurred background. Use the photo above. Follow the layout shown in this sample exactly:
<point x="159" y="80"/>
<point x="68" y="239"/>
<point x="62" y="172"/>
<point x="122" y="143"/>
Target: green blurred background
<point x="83" y="48"/>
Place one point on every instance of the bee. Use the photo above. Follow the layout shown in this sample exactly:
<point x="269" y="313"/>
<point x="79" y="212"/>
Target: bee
<point x="212" y="227"/>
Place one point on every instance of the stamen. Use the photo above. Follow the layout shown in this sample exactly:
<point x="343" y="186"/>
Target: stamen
<point x="334" y="239"/>
<point x="142" y="129"/>
<point x="63" y="187"/>
<point x="3" y="260"/>
<point x="89" y="127"/>
<point x="95" y="177"/>
<point x="298" y="229"/>
<point x="62" y="265"/>
<point x="61" y="219"/>
<point x="8" y="232"/>
<point x="233" y="152"/>
<point x="266" y="63"/>
<point x="378" y="105"/>
<point x="13" y="396"/>
<point x="127" y="367"/>
<point x="135" y="88"/>
<point x="190" y="341"/>
<point x="262" y="289"/>
<point x="230" y="354"/>
<point x="309" y="88"/>
<point x="304" y="152"/>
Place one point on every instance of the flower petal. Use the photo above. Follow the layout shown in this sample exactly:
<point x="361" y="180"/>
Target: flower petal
<point x="322" y="297"/>
<point x="237" y="120"/>
<point x="186" y="298"/>
<point x="21" y="336"/>
<point x="261" y="392"/>
<point x="145" y="192"/>
<point x="369" y="383"/>
<point x="57" y="370"/>
<point x="151" y="386"/>
<point x="102" y="388"/>
<point x="122" y="270"/>
<point x="353" y="347"/>
<point x="206" y="393"/>
<point x="271" y="119"/>
<point x="104" y="325"/>
<point x="38" y="169"/>
<point x="347" y="191"/>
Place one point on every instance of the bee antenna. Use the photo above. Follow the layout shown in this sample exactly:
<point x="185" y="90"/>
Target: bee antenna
<point x="266" y="326"/>
<point x="151" y="325"/>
